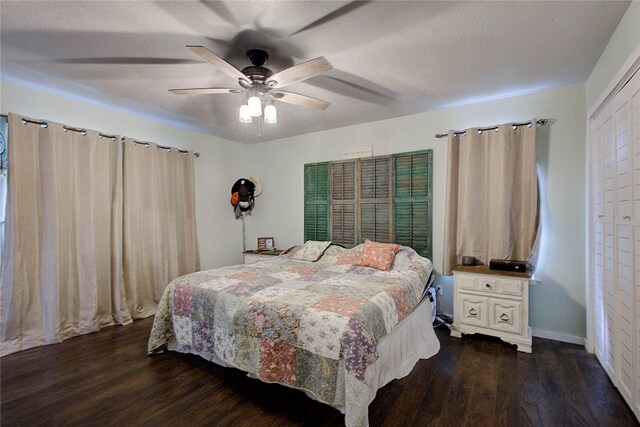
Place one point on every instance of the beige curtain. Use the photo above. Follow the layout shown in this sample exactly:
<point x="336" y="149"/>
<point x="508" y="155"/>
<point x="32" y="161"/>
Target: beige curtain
<point x="61" y="267"/>
<point x="491" y="208"/>
<point x="160" y="241"/>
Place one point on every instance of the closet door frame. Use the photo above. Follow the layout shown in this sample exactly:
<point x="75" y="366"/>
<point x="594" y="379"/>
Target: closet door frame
<point x="622" y="219"/>
<point x="626" y="72"/>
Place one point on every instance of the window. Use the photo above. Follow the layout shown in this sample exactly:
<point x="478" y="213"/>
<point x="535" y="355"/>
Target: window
<point x="385" y="198"/>
<point x="4" y="139"/>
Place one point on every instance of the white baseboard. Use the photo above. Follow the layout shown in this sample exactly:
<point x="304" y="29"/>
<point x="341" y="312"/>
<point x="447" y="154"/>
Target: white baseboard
<point x="556" y="336"/>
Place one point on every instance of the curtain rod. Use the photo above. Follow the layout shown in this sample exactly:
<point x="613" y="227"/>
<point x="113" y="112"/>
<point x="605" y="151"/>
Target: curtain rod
<point x="541" y="122"/>
<point x="69" y="128"/>
<point x="43" y="124"/>
<point x="162" y="147"/>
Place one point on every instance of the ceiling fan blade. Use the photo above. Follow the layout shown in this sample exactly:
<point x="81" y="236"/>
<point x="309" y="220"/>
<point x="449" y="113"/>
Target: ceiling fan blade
<point x="126" y="60"/>
<point x="298" y="99"/>
<point x="300" y="72"/>
<point x="205" y="91"/>
<point x="222" y="64"/>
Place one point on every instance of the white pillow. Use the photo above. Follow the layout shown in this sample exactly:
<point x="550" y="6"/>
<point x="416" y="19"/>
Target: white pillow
<point x="311" y="251"/>
<point x="332" y="254"/>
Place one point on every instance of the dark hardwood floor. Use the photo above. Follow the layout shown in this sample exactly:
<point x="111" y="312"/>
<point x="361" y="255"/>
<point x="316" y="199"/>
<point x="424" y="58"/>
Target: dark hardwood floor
<point x="106" y="378"/>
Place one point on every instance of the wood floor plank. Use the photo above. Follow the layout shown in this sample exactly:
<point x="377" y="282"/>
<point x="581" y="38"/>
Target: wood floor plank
<point x="482" y="402"/>
<point x="433" y="402"/>
<point x="106" y="379"/>
<point x="460" y="392"/>
<point x="507" y="408"/>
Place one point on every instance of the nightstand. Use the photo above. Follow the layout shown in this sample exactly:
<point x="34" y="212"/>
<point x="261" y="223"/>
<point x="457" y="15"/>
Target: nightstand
<point x="251" y="257"/>
<point x="491" y="302"/>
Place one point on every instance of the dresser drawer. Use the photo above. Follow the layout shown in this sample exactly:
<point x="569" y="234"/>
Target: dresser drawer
<point x="472" y="310"/>
<point x="511" y="287"/>
<point x="489" y="285"/>
<point x="505" y="315"/>
<point x="467" y="282"/>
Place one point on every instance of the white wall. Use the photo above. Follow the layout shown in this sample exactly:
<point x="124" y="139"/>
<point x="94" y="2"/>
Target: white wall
<point x="621" y="44"/>
<point x="558" y="301"/>
<point x="220" y="162"/>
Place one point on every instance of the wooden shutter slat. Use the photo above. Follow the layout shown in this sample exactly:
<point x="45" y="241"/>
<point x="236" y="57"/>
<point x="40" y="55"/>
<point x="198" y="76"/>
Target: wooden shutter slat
<point x="343" y="193"/>
<point x="367" y="179"/>
<point x="367" y="221"/>
<point x="375" y="200"/>
<point x="412" y="190"/>
<point x="316" y="201"/>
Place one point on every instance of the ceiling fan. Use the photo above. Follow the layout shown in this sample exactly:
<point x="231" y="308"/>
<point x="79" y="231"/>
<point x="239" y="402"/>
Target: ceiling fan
<point x="261" y="83"/>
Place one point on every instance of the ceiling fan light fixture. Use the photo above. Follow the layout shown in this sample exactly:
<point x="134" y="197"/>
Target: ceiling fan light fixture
<point x="244" y="115"/>
<point x="270" y="114"/>
<point x="255" y="106"/>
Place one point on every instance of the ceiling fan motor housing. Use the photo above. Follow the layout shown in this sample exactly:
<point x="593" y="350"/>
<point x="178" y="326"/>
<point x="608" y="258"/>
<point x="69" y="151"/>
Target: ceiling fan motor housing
<point x="258" y="75"/>
<point x="256" y="72"/>
<point x="257" y="57"/>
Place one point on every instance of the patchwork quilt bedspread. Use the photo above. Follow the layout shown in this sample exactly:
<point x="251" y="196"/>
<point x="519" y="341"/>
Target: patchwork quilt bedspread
<point x="309" y="325"/>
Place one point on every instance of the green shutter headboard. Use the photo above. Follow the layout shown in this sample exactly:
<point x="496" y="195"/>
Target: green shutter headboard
<point x="316" y="201"/>
<point x="412" y="200"/>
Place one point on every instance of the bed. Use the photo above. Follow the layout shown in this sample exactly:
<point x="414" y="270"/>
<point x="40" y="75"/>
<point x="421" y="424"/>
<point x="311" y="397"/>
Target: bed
<point x="337" y="331"/>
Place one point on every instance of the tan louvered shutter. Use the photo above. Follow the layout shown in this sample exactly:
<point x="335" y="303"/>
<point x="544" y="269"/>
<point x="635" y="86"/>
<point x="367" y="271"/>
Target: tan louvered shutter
<point x="375" y="199"/>
<point x="343" y="202"/>
<point x="316" y="201"/>
<point x="412" y="197"/>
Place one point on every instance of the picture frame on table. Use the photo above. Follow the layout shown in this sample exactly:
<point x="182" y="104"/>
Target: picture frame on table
<point x="266" y="243"/>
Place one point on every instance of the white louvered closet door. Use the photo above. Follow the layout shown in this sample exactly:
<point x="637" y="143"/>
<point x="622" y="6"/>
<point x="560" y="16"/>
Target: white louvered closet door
<point x="623" y="246"/>
<point x="634" y="137"/>
<point x="615" y="239"/>
<point x="602" y="319"/>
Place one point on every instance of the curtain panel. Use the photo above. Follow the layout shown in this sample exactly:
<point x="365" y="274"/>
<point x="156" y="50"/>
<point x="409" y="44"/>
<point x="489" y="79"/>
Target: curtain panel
<point x="61" y="266"/>
<point x="491" y="208"/>
<point x="94" y="232"/>
<point x="160" y="240"/>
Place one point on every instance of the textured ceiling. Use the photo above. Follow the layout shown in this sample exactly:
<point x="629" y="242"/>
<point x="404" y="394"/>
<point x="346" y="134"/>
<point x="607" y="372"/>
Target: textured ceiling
<point x="391" y="58"/>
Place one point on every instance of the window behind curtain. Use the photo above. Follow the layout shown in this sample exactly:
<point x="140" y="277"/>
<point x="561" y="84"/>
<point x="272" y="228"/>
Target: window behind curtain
<point x="4" y="138"/>
<point x="384" y="198"/>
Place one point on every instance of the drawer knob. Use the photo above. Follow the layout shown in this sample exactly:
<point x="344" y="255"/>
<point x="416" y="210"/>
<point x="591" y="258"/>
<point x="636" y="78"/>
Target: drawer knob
<point x="627" y="217"/>
<point x="473" y="311"/>
<point x="488" y="285"/>
<point x="504" y="317"/>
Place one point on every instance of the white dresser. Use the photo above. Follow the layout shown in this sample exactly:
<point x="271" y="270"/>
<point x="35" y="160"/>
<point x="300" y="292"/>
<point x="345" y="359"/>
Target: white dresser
<point x="493" y="303"/>
<point x="251" y="257"/>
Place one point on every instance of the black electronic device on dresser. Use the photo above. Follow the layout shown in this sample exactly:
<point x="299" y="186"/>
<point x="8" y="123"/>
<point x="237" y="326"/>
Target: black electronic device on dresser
<point x="509" y="265"/>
